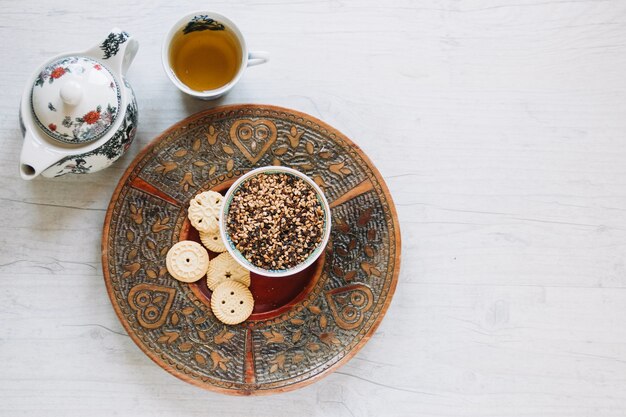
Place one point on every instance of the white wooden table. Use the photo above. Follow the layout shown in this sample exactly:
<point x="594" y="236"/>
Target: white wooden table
<point x="499" y="127"/>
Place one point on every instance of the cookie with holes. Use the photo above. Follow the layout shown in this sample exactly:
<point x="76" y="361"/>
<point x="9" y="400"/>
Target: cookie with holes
<point x="213" y="241"/>
<point x="232" y="302"/>
<point x="187" y="261"/>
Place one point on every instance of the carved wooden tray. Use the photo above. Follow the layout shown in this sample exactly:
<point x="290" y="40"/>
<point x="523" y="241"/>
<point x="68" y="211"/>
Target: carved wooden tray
<point x="302" y="327"/>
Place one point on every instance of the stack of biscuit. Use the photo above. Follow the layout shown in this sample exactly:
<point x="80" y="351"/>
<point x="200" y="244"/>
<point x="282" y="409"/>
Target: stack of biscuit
<point x="188" y="261"/>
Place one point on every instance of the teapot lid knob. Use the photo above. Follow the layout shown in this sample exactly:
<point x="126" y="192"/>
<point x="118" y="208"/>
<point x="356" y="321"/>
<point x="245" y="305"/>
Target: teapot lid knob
<point x="71" y="93"/>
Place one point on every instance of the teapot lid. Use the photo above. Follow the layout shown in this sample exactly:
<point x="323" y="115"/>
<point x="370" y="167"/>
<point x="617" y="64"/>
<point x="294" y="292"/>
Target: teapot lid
<point x="75" y="99"/>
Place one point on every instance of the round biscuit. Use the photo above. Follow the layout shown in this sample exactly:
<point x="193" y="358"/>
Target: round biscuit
<point x="232" y="302"/>
<point x="224" y="268"/>
<point x="204" y="211"/>
<point x="213" y="241"/>
<point x="187" y="261"/>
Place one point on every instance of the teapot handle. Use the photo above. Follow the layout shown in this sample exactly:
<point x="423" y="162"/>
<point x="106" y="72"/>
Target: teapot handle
<point x="117" y="50"/>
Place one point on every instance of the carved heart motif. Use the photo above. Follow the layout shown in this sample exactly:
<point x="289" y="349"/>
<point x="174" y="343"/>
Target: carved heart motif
<point x="151" y="303"/>
<point x="253" y="137"/>
<point x="349" y="304"/>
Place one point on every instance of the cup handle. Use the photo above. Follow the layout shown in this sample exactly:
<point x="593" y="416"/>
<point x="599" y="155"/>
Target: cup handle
<point x="256" y="58"/>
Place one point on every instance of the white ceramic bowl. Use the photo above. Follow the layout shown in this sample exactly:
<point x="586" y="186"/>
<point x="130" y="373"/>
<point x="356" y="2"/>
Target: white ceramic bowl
<point x="235" y="252"/>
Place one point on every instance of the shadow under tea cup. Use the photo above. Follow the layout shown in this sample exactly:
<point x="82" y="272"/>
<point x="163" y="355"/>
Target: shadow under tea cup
<point x="204" y="54"/>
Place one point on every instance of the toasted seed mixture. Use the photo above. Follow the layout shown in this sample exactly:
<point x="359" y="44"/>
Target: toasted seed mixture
<point x="275" y="220"/>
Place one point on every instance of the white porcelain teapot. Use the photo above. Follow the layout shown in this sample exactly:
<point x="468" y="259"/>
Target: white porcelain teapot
<point x="78" y="113"/>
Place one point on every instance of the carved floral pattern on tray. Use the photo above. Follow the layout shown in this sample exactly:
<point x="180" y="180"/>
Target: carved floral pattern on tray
<point x="175" y="327"/>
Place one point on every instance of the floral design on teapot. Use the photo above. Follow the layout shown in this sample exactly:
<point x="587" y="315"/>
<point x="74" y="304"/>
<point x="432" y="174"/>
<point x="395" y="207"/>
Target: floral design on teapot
<point x="55" y="71"/>
<point x="52" y="116"/>
<point x="92" y="124"/>
<point x="83" y="99"/>
<point x="103" y="156"/>
<point x="111" y="44"/>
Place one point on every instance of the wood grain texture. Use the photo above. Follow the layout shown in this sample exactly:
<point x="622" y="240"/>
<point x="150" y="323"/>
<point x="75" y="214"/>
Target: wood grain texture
<point x="499" y="128"/>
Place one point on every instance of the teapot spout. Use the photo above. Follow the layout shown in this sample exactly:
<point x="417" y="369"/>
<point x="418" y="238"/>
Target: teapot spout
<point x="35" y="157"/>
